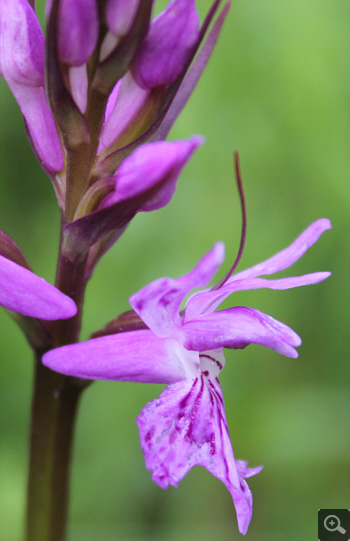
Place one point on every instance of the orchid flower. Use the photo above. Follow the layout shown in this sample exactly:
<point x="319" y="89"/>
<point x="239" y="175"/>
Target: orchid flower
<point x="26" y="293"/>
<point x="186" y="425"/>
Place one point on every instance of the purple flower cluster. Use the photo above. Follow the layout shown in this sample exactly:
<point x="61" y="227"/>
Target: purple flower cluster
<point x="106" y="83"/>
<point x="99" y="94"/>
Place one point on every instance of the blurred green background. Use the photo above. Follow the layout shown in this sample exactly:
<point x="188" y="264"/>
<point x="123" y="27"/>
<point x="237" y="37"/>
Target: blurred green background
<point x="276" y="89"/>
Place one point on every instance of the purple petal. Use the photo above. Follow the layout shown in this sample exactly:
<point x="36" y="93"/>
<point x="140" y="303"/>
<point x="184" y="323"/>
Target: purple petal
<point x="33" y="104"/>
<point x="21" y="44"/>
<point x="185" y="427"/>
<point x="150" y="164"/>
<point x="23" y="291"/>
<point x="207" y="301"/>
<point x="237" y="328"/>
<point x="120" y="15"/>
<point x="158" y="303"/>
<point x="288" y="256"/>
<point x="78" y="80"/>
<point x="190" y="81"/>
<point x="77" y="30"/>
<point x="131" y="356"/>
<point x="168" y="45"/>
<point x="244" y="471"/>
<point x="112" y="100"/>
<point x="129" y="101"/>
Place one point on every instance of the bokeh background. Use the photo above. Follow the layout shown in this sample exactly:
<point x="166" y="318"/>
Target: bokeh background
<point x="276" y="89"/>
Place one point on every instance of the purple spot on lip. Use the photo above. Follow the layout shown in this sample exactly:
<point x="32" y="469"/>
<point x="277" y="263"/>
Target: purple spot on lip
<point x="168" y="298"/>
<point x="211" y="441"/>
<point x="150" y="433"/>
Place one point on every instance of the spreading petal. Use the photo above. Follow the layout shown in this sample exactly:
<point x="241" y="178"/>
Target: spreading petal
<point x="23" y="291"/>
<point x="207" y="301"/>
<point x="131" y="356"/>
<point x="158" y="303"/>
<point x="289" y="255"/>
<point x="185" y="427"/>
<point x="237" y="328"/>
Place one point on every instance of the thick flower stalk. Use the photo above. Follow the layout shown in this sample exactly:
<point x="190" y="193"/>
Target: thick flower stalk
<point x="186" y="425"/>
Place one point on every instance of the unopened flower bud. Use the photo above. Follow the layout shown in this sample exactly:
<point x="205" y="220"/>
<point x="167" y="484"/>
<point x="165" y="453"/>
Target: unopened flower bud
<point x="22" y="66"/>
<point x="149" y="165"/>
<point x="22" y="44"/>
<point x="168" y="45"/>
<point x="120" y="15"/>
<point x="78" y="28"/>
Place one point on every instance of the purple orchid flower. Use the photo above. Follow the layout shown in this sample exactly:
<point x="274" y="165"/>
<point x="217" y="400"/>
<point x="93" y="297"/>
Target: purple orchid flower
<point x="26" y="293"/>
<point x="22" y="67"/>
<point x="186" y="425"/>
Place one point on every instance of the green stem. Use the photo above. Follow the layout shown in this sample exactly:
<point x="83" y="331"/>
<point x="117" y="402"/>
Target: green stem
<point x="54" y="408"/>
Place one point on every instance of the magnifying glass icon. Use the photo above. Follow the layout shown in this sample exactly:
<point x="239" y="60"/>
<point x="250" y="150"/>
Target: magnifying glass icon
<point x="332" y="524"/>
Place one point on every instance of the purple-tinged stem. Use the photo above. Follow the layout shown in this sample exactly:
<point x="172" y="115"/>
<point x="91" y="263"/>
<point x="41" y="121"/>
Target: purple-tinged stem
<point x="54" y="408"/>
